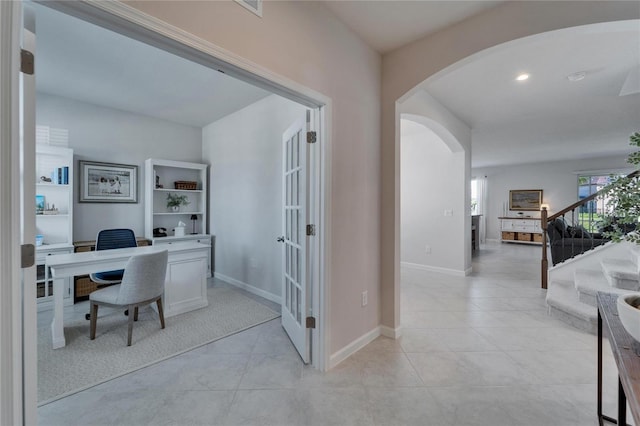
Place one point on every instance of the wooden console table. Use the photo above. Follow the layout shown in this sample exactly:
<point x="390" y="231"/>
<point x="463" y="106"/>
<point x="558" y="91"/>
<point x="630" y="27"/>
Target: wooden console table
<point x="626" y="351"/>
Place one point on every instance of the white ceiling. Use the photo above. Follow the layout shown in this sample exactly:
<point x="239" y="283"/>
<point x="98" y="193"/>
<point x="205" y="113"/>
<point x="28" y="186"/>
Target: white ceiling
<point x="548" y="117"/>
<point x="545" y="119"/>
<point x="87" y="63"/>
<point x="387" y="25"/>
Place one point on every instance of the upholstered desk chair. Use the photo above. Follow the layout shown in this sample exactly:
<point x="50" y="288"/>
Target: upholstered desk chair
<point x="108" y="239"/>
<point x="142" y="284"/>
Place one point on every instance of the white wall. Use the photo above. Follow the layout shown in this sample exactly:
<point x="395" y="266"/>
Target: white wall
<point x="113" y="136"/>
<point x="427" y="189"/>
<point x="306" y="43"/>
<point x="453" y="188"/>
<point x="558" y="180"/>
<point x="245" y="153"/>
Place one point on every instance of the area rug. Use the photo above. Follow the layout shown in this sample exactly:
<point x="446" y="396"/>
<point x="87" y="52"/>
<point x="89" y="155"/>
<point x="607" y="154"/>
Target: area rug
<point x="84" y="363"/>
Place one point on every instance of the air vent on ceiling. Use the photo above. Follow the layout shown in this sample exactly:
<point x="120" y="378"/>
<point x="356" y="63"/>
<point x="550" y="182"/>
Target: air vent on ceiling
<point x="253" y="5"/>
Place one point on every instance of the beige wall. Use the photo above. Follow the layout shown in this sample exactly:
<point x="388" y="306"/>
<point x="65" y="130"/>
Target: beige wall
<point x="405" y="68"/>
<point x="302" y="41"/>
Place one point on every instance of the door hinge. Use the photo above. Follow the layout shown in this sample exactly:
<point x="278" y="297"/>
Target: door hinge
<point x="27" y="62"/>
<point x="311" y="322"/>
<point x="311" y="230"/>
<point x="27" y="255"/>
<point x="311" y="137"/>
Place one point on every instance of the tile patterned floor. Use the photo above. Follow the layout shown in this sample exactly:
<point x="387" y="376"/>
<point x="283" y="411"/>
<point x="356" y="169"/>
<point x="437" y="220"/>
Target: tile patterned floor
<point x="476" y="350"/>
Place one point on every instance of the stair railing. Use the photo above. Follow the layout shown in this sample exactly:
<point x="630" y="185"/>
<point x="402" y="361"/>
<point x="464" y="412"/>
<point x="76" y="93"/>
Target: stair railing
<point x="581" y="239"/>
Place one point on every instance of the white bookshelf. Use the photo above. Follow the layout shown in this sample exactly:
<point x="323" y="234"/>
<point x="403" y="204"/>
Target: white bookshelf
<point x="158" y="215"/>
<point x="55" y="223"/>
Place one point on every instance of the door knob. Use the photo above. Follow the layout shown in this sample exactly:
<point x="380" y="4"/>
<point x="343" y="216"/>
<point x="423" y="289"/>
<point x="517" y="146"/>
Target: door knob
<point x="280" y="239"/>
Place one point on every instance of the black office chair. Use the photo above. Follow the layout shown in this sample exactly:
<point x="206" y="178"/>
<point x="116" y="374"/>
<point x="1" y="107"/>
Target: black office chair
<point x="112" y="239"/>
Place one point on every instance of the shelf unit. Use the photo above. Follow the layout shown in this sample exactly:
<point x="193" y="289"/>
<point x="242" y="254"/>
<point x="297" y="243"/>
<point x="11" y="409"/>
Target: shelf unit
<point x="157" y="215"/>
<point x="55" y="226"/>
<point x="526" y="230"/>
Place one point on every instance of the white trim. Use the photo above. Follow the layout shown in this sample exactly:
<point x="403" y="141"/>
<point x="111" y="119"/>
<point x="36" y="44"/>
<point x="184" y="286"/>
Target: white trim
<point x="492" y="240"/>
<point x="133" y="23"/>
<point x="429" y="268"/>
<point x="354" y="347"/>
<point x="248" y="287"/>
<point x="393" y="333"/>
<point x="12" y="405"/>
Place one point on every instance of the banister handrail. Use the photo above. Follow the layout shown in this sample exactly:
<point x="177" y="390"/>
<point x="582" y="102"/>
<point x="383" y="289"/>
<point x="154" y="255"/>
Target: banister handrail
<point x="545" y="220"/>
<point x="585" y="200"/>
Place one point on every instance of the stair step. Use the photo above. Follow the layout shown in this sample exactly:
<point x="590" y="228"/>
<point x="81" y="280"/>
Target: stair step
<point x="589" y="282"/>
<point x="621" y="273"/>
<point x="564" y="304"/>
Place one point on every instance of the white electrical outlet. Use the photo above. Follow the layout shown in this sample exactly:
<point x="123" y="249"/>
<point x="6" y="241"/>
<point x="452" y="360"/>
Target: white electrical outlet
<point x="448" y="212"/>
<point x="365" y="295"/>
<point x="427" y="249"/>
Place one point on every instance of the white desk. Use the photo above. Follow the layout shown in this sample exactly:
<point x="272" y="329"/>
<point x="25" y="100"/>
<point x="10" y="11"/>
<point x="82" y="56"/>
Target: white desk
<point x="185" y="284"/>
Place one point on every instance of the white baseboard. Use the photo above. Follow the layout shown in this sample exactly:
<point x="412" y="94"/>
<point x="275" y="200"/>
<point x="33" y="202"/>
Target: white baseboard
<point x="447" y="271"/>
<point x="393" y="333"/>
<point x="492" y="240"/>
<point x="353" y="347"/>
<point x="248" y="287"/>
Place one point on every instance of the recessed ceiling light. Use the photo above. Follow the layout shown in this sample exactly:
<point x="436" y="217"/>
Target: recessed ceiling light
<point x="522" y="77"/>
<point x="577" y="76"/>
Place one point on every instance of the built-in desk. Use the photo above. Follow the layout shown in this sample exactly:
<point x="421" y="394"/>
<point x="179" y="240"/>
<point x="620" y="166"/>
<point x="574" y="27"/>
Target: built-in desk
<point x="185" y="284"/>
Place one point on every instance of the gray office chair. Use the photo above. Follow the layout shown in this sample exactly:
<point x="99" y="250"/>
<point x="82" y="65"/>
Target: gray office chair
<point x="108" y="239"/>
<point x="142" y="284"/>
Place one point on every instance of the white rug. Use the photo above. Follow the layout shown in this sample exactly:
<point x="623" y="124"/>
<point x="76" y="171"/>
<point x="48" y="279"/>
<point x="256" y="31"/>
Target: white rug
<point x="83" y="363"/>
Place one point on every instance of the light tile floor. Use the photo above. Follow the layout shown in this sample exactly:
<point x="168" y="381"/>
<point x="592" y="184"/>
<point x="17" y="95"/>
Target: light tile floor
<point x="476" y="350"/>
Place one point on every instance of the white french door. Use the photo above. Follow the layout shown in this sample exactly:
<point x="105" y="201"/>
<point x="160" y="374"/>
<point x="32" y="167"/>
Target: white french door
<point x="295" y="288"/>
<point x="18" y="360"/>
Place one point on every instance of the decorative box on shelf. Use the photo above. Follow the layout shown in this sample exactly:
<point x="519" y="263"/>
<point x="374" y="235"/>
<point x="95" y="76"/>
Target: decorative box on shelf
<point x="186" y="185"/>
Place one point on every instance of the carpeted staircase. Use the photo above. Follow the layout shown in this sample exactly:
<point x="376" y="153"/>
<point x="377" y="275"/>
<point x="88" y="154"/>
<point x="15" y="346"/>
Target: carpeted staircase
<point x="571" y="292"/>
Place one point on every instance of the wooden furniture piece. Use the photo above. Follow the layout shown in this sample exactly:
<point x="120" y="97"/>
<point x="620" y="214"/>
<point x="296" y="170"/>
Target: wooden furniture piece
<point x="82" y="284"/>
<point x="526" y="230"/>
<point x="54" y="217"/>
<point x="185" y="287"/>
<point x="626" y="351"/>
<point x="475" y="232"/>
<point x="142" y="284"/>
<point x="164" y="177"/>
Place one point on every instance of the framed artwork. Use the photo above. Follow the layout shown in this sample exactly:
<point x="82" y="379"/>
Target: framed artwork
<point x="525" y="199"/>
<point x="108" y="183"/>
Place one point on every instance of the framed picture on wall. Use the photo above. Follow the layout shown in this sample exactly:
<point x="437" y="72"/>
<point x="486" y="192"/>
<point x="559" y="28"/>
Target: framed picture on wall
<point x="107" y="182"/>
<point x="525" y="199"/>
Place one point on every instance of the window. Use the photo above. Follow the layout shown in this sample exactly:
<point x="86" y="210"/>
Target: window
<point x="592" y="211"/>
<point x="474" y="196"/>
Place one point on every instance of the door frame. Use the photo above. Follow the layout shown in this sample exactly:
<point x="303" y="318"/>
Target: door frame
<point x="130" y="22"/>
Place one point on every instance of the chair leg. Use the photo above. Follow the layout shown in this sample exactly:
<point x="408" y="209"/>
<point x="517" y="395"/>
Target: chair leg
<point x="135" y="313"/>
<point x="160" y="311"/>
<point x="94" y="318"/>
<point x="130" y="327"/>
